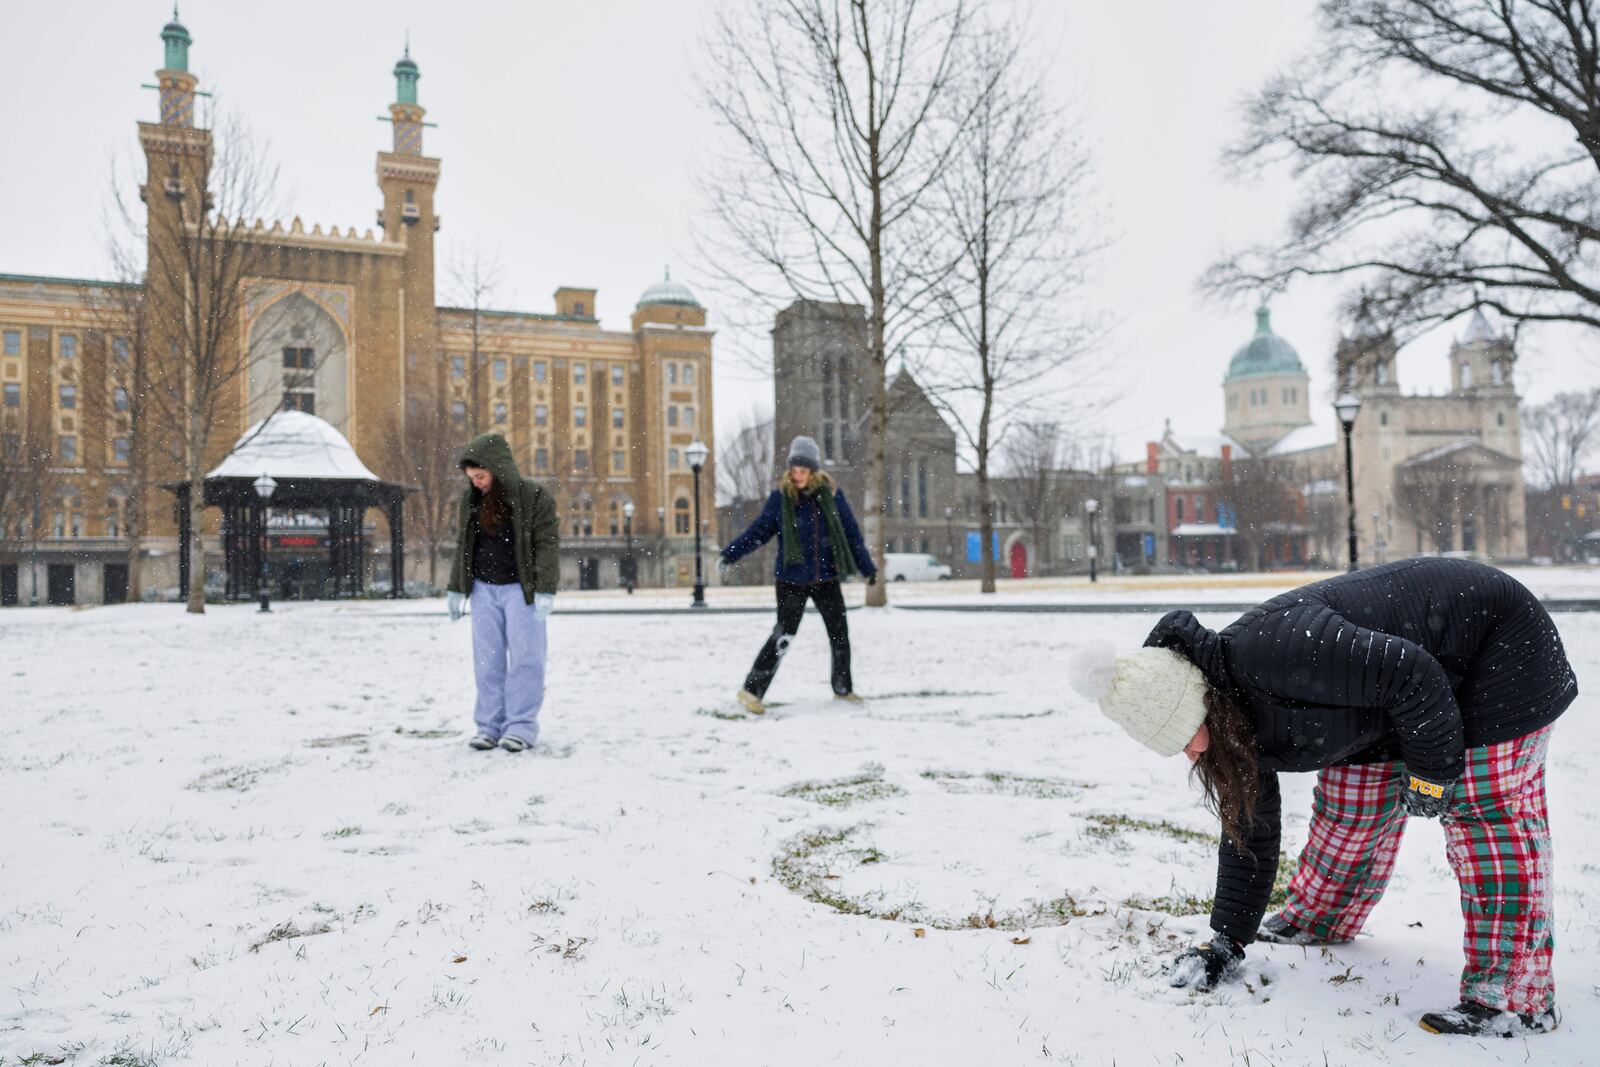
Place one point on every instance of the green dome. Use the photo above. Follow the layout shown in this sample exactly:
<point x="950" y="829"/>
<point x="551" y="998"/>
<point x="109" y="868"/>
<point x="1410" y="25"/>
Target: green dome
<point x="668" y="291"/>
<point x="1266" y="353"/>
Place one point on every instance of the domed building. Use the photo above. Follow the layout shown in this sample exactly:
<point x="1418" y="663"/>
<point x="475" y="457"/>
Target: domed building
<point x="1267" y="390"/>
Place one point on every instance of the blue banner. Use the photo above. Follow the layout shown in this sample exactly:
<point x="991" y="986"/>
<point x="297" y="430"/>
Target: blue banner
<point x="975" y="546"/>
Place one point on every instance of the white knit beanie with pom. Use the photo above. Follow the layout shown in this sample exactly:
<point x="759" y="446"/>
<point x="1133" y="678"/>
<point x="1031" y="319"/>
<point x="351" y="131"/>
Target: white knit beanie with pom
<point x="1155" y="694"/>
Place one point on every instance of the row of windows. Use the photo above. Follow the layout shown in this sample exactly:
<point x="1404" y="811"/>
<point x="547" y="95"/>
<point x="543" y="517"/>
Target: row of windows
<point x="906" y="498"/>
<point x="1199" y="511"/>
<point x="11" y="345"/>
<point x="67" y="448"/>
<point x="541" y="371"/>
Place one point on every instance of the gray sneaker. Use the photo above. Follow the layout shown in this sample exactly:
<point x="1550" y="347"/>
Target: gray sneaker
<point x="483" y="743"/>
<point x="514" y="744"/>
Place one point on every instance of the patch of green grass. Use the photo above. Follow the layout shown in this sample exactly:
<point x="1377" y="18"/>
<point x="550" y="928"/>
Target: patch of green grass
<point x="1106" y="827"/>
<point x="288" y="931"/>
<point x="863" y="787"/>
<point x="805" y="865"/>
<point x="337" y="742"/>
<point x="438" y="734"/>
<point x="343" y="831"/>
<point x="236" y="779"/>
<point x="1191" y="904"/>
<point x="723" y="713"/>
<point x="1001" y="784"/>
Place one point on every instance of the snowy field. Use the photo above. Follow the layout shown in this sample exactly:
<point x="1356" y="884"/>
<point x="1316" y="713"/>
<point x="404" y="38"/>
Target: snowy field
<point x="245" y="840"/>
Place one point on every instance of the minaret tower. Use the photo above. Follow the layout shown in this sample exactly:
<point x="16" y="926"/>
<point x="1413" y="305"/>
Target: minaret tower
<point x="177" y="155"/>
<point x="407" y="179"/>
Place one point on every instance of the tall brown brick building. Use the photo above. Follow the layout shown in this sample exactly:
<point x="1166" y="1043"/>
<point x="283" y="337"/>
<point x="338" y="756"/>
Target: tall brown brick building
<point x="347" y="326"/>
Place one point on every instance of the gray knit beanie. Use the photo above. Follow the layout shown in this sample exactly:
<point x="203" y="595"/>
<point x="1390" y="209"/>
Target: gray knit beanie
<point x="803" y="452"/>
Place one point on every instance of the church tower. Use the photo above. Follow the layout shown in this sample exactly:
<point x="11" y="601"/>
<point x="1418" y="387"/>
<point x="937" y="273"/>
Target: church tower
<point x="407" y="179"/>
<point x="1482" y="361"/>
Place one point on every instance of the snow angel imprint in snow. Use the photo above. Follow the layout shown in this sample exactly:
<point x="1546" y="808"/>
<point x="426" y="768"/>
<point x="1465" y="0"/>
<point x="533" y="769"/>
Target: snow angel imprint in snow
<point x="1426" y="687"/>
<point x="819" y="545"/>
<point x="506" y="568"/>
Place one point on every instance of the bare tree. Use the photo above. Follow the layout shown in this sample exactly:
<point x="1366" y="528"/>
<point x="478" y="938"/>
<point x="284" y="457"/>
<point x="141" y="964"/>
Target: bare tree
<point x="474" y="280"/>
<point x="1034" y="455"/>
<point x="116" y="397"/>
<point x="29" y="479"/>
<point x="1558" y="434"/>
<point x="197" y="263"/>
<point x="831" y="109"/>
<point x="1434" y="499"/>
<point x="1448" y="152"/>
<point x="745" y="461"/>
<point x="424" y="446"/>
<point x="1261" y="496"/>
<point x="1008" y="212"/>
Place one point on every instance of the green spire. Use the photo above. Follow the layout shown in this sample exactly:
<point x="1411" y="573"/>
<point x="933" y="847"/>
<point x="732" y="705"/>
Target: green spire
<point x="1263" y="319"/>
<point x="405" y="76"/>
<point x="178" y="41"/>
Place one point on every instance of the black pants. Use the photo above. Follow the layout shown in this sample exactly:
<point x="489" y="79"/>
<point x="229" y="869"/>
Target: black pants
<point x="791" y="609"/>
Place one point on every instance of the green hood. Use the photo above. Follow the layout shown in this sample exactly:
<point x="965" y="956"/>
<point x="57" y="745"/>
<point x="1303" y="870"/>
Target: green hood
<point x="493" y="453"/>
<point x="533" y="518"/>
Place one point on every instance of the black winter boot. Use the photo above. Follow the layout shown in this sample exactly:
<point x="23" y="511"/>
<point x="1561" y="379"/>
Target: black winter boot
<point x="1277" y="930"/>
<point x="1478" y="1020"/>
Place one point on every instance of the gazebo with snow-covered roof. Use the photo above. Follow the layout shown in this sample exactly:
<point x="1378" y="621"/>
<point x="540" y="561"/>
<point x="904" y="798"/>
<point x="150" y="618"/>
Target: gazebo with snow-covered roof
<point x="316" y="470"/>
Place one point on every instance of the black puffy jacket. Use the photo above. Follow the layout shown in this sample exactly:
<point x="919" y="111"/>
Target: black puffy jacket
<point x="1417" y="661"/>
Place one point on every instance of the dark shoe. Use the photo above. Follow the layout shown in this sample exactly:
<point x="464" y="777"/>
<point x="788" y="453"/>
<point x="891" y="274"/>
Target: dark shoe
<point x="1277" y="930"/>
<point x="483" y="743"/>
<point x="514" y="744"/>
<point x="1476" y="1020"/>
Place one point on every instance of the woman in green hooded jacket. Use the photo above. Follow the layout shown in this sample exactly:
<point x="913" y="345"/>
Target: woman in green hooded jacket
<point x="507" y="566"/>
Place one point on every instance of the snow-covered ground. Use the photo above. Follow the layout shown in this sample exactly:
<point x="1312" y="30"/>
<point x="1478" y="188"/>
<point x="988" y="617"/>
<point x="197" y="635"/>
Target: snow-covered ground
<point x="250" y="840"/>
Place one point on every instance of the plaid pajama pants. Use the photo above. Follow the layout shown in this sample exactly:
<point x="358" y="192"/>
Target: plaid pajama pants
<point x="1498" y="840"/>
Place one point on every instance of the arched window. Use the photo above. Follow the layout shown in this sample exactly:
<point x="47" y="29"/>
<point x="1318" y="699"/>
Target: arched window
<point x="1497" y="372"/>
<point x="1381" y="374"/>
<point x="1466" y="375"/>
<point x="680" y="516"/>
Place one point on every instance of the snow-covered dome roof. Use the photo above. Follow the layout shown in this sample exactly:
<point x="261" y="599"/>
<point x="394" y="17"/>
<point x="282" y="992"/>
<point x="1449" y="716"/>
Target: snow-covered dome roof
<point x="667" y="291"/>
<point x="293" y="444"/>
<point x="1265" y="353"/>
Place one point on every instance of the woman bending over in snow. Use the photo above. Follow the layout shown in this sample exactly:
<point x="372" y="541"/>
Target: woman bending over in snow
<point x="819" y="544"/>
<point x="1426" y="687"/>
<point x="508" y="563"/>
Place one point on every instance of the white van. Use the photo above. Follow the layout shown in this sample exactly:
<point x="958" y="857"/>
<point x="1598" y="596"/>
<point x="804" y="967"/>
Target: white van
<point x="914" y="567"/>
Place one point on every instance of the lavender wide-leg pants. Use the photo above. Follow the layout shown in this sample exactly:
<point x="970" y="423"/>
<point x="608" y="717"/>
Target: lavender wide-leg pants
<point x="508" y="654"/>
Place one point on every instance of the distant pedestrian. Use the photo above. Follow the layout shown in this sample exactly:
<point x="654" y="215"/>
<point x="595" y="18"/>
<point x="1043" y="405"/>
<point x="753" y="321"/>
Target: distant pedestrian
<point x="1427" y="687"/>
<point x="507" y="567"/>
<point x="819" y="545"/>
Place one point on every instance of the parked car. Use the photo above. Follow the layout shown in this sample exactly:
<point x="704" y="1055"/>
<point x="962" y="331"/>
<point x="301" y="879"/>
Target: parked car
<point x="914" y="567"/>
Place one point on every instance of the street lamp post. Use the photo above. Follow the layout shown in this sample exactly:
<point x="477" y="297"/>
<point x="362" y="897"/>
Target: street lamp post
<point x="627" y="530"/>
<point x="697" y="452"/>
<point x="1090" y="507"/>
<point x="265" y="485"/>
<point x="1348" y="407"/>
<point x="949" y="536"/>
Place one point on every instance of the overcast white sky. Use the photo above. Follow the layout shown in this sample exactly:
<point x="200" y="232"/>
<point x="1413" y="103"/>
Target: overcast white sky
<point x="569" y="136"/>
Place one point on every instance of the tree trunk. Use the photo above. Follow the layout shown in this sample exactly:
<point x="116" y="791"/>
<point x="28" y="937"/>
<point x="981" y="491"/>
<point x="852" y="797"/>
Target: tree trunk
<point x="985" y="514"/>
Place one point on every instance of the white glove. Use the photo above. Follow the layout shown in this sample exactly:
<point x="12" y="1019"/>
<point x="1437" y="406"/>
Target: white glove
<point x="724" y="568"/>
<point x="543" y="605"/>
<point x="454" y="601"/>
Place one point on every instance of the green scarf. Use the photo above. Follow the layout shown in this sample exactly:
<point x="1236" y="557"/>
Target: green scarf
<point x="843" y="562"/>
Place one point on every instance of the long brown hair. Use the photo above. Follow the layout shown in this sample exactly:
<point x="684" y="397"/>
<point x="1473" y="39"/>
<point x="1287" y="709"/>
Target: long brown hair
<point x="1227" y="769"/>
<point x="492" y="507"/>
<point x="790" y="490"/>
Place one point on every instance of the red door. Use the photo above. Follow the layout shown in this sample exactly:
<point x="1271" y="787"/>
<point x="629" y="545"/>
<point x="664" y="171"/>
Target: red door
<point x="1019" y="560"/>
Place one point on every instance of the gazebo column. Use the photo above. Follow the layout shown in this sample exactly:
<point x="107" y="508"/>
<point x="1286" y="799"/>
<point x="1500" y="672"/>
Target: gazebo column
<point x="397" y="549"/>
<point x="184" y="540"/>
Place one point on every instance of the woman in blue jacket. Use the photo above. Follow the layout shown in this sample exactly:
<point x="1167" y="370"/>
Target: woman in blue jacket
<point x="819" y="545"/>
